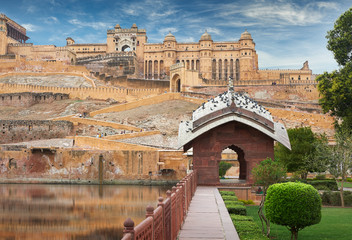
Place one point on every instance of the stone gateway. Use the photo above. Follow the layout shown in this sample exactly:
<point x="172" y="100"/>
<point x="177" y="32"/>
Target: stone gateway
<point x="233" y="121"/>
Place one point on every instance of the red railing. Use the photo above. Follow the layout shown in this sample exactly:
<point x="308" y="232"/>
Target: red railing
<point x="166" y="220"/>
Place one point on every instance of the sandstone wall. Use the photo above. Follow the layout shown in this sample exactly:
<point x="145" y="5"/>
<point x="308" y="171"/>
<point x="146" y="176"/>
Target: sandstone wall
<point x="26" y="99"/>
<point x="102" y="93"/>
<point x="22" y="65"/>
<point x="26" y="130"/>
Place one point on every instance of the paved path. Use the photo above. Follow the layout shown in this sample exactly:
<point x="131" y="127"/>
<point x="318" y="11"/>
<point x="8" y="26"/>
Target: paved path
<point x="207" y="217"/>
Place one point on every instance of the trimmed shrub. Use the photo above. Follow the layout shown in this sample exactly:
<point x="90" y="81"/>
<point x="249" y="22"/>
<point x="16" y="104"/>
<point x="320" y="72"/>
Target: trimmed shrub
<point x="248" y="230"/>
<point x="294" y="205"/>
<point x="231" y="202"/>
<point x="236" y="209"/>
<point x="247" y="202"/>
<point x="227" y="193"/>
<point x="330" y="198"/>
<point x="229" y="198"/>
<point x="324" y="184"/>
<point x="235" y="217"/>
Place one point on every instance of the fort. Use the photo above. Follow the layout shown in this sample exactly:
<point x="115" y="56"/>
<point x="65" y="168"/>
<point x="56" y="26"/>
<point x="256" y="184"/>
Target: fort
<point x="134" y="77"/>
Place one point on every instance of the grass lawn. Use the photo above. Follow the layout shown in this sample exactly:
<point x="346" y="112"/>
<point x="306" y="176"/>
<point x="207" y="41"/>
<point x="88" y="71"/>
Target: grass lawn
<point x="345" y="184"/>
<point x="335" y="224"/>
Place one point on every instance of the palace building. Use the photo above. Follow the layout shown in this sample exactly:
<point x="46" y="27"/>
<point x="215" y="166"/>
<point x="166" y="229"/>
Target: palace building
<point x="205" y="62"/>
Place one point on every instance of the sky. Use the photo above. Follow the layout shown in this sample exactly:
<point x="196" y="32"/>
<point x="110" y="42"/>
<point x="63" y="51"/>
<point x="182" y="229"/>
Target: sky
<point x="286" y="33"/>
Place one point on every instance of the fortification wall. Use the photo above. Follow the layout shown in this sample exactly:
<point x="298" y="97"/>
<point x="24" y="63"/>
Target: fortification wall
<point x="144" y="102"/>
<point x="304" y="92"/>
<point x="123" y="81"/>
<point x="22" y="65"/>
<point x="26" y="99"/>
<point x="83" y="93"/>
<point x="19" y="164"/>
<point x="13" y="131"/>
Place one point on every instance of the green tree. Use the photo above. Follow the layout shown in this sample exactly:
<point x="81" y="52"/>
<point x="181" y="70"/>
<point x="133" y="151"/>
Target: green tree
<point x="223" y="167"/>
<point x="335" y="88"/>
<point x="294" y="205"/>
<point x="339" y="156"/>
<point x="340" y="38"/>
<point x="303" y="148"/>
<point x="336" y="93"/>
<point x="266" y="173"/>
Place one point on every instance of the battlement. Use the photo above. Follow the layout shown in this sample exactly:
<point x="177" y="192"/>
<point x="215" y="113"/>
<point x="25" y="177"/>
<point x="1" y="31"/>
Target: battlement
<point x="20" y="44"/>
<point x="103" y="93"/>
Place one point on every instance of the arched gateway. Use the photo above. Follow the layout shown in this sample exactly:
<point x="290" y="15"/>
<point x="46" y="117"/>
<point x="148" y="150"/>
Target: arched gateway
<point x="233" y="121"/>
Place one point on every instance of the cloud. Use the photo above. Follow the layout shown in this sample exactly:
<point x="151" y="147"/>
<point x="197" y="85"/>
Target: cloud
<point x="31" y="9"/>
<point x="186" y="39"/>
<point x="164" y="31"/>
<point x="164" y="14"/>
<point x="94" y="25"/>
<point x="214" y="30"/>
<point x="30" y="27"/>
<point x="51" y="19"/>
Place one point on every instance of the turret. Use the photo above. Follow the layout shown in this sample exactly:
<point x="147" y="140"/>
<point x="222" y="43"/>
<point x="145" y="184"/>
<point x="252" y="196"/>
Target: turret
<point x="69" y="41"/>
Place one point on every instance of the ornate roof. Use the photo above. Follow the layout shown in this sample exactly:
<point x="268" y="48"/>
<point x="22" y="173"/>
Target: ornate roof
<point x="231" y="106"/>
<point x="246" y="35"/>
<point x="117" y="26"/>
<point x="169" y="37"/>
<point x="205" y="37"/>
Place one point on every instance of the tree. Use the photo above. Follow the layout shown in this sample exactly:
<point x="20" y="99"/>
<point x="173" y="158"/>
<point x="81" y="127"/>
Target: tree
<point x="340" y="38"/>
<point x="294" y="205"/>
<point x="339" y="156"/>
<point x="335" y="88"/>
<point x="336" y="93"/>
<point x="223" y="167"/>
<point x="266" y="173"/>
<point x="303" y="148"/>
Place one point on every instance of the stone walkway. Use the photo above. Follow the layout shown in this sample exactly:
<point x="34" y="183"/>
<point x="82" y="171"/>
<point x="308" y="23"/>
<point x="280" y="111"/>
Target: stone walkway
<point x="207" y="217"/>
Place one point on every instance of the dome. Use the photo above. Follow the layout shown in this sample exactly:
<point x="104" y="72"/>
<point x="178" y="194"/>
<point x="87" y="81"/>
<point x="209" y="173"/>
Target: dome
<point x="205" y="37"/>
<point x="117" y="26"/>
<point x="169" y="37"/>
<point x="134" y="25"/>
<point x="246" y="35"/>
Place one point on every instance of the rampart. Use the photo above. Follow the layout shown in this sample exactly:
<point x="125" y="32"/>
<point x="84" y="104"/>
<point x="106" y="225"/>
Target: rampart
<point x="124" y="81"/>
<point x="26" y="99"/>
<point x="22" y="65"/>
<point x="26" y="130"/>
<point x="83" y="93"/>
<point x="144" y="102"/>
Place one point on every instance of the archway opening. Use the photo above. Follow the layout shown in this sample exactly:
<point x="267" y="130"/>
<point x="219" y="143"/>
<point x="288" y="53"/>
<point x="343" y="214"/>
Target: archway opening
<point x="175" y="83"/>
<point x="232" y="159"/>
<point x="178" y="85"/>
<point x="126" y="48"/>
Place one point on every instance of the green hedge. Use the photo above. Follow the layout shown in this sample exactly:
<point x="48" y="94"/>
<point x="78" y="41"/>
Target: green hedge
<point x="330" y="198"/>
<point x="246" y="202"/>
<point x="227" y="193"/>
<point x="248" y="230"/>
<point x="235" y="217"/>
<point x="233" y="202"/>
<point x="236" y="209"/>
<point x="324" y="184"/>
<point x="229" y="198"/>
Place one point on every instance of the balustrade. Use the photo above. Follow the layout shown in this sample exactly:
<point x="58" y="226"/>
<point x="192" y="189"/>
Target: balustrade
<point x="166" y="220"/>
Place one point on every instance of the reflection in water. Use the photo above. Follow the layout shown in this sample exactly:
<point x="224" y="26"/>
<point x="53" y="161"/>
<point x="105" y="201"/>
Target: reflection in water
<point x="30" y="211"/>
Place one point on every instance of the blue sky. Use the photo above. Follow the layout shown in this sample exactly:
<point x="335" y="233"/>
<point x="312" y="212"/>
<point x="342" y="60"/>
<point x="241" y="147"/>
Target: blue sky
<point x="286" y="33"/>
